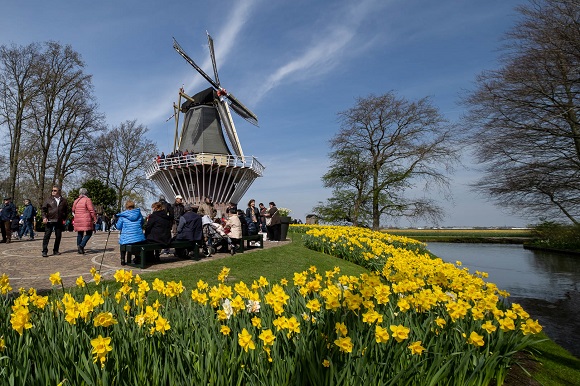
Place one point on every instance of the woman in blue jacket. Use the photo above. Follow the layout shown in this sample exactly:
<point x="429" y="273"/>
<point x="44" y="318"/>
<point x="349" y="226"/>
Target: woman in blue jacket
<point x="130" y="223"/>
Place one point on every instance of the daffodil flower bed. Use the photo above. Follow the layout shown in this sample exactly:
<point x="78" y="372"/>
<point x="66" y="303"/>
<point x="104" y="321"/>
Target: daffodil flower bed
<point x="415" y="321"/>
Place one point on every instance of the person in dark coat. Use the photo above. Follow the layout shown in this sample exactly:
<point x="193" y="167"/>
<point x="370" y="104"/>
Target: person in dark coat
<point x="158" y="228"/>
<point x="243" y="222"/>
<point x="189" y="228"/>
<point x="54" y="214"/>
<point x="7" y="213"/>
<point x="178" y="209"/>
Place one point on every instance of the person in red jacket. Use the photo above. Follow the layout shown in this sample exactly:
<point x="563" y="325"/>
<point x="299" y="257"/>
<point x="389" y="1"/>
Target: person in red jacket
<point x="84" y="219"/>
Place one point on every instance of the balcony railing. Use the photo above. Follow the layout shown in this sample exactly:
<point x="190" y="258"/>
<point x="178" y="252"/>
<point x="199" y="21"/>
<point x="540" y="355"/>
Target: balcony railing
<point x="205" y="159"/>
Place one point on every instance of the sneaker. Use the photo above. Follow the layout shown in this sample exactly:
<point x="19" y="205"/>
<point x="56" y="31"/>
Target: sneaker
<point x="44" y="254"/>
<point x="56" y="253"/>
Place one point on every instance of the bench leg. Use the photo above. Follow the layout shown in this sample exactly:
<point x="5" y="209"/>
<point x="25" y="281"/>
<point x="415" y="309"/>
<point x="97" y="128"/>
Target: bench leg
<point x="142" y="262"/>
<point x="196" y="247"/>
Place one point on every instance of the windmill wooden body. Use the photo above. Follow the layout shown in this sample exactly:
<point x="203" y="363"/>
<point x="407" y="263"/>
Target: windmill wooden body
<point x="212" y="167"/>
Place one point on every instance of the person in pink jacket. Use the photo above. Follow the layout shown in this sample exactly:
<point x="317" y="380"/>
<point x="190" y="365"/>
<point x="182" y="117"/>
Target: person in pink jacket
<point x="84" y="219"/>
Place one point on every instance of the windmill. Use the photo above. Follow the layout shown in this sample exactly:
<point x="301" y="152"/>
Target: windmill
<point x="207" y="165"/>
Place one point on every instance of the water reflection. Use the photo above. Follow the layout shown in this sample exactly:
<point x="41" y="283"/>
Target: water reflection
<point x="521" y="272"/>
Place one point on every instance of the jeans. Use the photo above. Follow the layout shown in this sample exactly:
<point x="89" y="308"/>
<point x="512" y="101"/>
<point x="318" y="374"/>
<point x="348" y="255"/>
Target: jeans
<point x="49" y="227"/>
<point x="28" y="226"/>
<point x="83" y="238"/>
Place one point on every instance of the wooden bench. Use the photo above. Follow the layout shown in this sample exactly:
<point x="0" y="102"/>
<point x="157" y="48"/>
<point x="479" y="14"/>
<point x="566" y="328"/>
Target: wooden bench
<point x="142" y="249"/>
<point x="259" y="237"/>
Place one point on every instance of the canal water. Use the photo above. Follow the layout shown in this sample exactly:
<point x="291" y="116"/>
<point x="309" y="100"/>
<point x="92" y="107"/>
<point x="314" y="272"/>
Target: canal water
<point x="546" y="284"/>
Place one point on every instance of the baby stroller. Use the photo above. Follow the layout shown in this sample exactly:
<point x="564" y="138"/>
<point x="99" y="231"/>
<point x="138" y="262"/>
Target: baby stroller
<point x="213" y="239"/>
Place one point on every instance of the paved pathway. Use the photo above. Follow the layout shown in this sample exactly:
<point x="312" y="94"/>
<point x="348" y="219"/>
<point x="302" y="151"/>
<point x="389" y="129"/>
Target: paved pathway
<point x="22" y="260"/>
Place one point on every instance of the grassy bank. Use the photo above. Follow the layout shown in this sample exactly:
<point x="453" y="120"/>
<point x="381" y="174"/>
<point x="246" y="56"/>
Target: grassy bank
<point x="507" y="236"/>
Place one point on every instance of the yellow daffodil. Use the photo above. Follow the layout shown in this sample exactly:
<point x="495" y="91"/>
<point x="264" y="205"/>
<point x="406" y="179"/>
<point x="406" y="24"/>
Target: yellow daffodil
<point x="55" y="278"/>
<point x="416" y="348"/>
<point x="101" y="347"/>
<point x="245" y="340"/>
<point x="267" y="337"/>
<point x="400" y="332"/>
<point x="104" y="319"/>
<point x="341" y="329"/>
<point x="531" y="327"/>
<point x="344" y="344"/>
<point x="381" y="334"/>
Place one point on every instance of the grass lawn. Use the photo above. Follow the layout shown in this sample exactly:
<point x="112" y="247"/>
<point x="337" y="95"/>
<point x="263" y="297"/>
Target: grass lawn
<point x="556" y="366"/>
<point x="274" y="264"/>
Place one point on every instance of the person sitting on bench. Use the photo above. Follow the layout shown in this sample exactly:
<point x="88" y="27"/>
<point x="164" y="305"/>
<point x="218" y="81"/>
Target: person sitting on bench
<point x="158" y="228"/>
<point x="130" y="223"/>
<point x="189" y="229"/>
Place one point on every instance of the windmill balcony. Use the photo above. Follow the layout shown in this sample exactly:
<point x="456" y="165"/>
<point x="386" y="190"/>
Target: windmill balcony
<point x="224" y="177"/>
<point x="205" y="159"/>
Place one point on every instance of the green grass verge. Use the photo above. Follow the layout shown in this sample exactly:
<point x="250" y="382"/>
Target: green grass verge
<point x="556" y="365"/>
<point x="465" y="235"/>
<point x="274" y="264"/>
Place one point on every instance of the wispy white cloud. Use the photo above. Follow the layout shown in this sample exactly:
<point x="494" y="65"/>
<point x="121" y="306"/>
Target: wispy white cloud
<point x="224" y="41"/>
<point x="327" y="47"/>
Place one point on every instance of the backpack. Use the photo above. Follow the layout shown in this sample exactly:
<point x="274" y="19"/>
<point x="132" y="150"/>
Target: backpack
<point x="33" y="211"/>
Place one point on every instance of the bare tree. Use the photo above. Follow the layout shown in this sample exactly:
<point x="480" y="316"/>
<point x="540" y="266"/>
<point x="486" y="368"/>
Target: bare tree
<point x="386" y="147"/>
<point x="18" y="88"/>
<point x="349" y="176"/>
<point x="128" y="152"/>
<point x="525" y="115"/>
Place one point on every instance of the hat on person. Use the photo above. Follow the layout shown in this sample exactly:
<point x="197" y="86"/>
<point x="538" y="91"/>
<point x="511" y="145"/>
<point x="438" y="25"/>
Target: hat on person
<point x="187" y="207"/>
<point x="178" y="196"/>
<point x="161" y="197"/>
<point x="7" y="198"/>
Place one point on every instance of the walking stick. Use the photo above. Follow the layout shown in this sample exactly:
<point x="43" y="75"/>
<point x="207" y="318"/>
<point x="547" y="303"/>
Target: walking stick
<point x="105" y="250"/>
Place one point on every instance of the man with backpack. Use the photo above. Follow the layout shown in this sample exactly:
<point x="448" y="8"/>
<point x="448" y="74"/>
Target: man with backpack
<point x="28" y="217"/>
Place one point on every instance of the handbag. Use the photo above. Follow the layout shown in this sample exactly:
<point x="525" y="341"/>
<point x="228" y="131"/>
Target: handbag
<point x="269" y="219"/>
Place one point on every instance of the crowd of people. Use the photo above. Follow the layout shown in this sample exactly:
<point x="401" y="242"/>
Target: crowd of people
<point x="200" y="225"/>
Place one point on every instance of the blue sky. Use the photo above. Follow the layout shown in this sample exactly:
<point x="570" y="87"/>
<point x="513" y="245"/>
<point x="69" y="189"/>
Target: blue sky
<point x="295" y="64"/>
